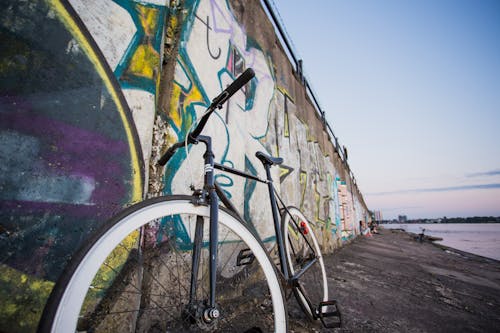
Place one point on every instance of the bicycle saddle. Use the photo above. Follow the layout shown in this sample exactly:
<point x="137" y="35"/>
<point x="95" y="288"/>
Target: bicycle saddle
<point x="269" y="160"/>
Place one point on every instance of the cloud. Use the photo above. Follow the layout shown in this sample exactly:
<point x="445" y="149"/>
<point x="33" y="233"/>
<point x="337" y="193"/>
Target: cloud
<point x="442" y="189"/>
<point x="486" y="173"/>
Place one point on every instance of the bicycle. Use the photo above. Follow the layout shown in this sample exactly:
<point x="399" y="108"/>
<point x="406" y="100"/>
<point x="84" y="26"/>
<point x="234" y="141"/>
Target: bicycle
<point x="220" y="277"/>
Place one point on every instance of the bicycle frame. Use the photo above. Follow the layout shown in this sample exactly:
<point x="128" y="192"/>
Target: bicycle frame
<point x="276" y="219"/>
<point x="211" y="194"/>
<point x="274" y="208"/>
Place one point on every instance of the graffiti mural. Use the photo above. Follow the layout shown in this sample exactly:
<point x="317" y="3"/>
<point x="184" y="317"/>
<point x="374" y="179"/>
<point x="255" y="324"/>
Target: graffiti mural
<point x="79" y="84"/>
<point x="214" y="51"/>
<point x="70" y="154"/>
<point x="129" y="33"/>
<point x="306" y="165"/>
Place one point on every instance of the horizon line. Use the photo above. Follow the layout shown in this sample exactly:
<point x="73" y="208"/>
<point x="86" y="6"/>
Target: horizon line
<point x="441" y="189"/>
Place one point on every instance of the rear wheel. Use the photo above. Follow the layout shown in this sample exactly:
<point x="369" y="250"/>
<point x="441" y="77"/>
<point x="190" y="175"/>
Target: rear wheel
<point x="135" y="276"/>
<point x="302" y="249"/>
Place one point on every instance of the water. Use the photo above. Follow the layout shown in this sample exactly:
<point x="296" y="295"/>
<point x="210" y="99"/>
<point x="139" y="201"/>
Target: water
<point x="479" y="238"/>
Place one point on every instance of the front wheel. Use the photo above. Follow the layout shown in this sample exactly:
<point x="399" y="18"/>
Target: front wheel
<point x="135" y="275"/>
<point x="304" y="257"/>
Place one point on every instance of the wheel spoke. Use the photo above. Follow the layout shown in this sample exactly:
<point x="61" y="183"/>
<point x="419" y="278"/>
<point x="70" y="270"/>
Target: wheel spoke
<point x="301" y="248"/>
<point x="148" y="287"/>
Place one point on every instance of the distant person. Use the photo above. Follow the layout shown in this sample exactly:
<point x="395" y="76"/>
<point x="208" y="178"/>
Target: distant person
<point x="421" y="236"/>
<point x="364" y="230"/>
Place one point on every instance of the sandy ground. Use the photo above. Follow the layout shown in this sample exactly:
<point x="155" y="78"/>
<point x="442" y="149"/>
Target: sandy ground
<point x="392" y="283"/>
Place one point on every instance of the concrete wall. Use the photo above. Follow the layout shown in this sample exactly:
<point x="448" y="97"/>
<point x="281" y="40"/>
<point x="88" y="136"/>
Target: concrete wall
<point x="218" y="40"/>
<point x="76" y="80"/>
<point x="91" y="90"/>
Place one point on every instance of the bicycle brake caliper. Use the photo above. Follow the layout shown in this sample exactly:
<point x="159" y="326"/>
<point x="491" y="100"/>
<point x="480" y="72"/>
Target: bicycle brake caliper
<point x="199" y="197"/>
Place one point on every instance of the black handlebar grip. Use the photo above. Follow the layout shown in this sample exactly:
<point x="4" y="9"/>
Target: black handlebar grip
<point x="247" y="75"/>
<point x="240" y="81"/>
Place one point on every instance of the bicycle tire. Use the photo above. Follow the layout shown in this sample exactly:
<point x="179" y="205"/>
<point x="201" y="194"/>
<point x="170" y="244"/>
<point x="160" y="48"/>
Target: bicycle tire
<point x="301" y="246"/>
<point x="62" y="311"/>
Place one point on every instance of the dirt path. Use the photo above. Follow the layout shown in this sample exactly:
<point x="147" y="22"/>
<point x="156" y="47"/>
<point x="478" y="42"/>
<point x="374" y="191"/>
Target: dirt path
<point x="392" y="283"/>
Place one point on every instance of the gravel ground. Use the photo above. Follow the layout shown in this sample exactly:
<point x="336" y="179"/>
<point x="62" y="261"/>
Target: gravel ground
<point x="391" y="283"/>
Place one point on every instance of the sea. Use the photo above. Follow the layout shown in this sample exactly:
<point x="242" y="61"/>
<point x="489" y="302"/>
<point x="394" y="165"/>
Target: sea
<point x="478" y="238"/>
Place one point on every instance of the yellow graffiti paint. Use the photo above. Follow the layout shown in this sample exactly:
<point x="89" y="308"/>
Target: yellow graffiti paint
<point x="174" y="113"/>
<point x="144" y="61"/>
<point x="286" y="93"/>
<point x="292" y="232"/>
<point x="284" y="172"/>
<point x="309" y="136"/>
<point x="194" y="95"/>
<point x="172" y="26"/>
<point x="23" y="310"/>
<point x="286" y="126"/>
<point x="317" y="199"/>
<point x="149" y="18"/>
<point x="145" y="58"/>
<point x="303" y="185"/>
<point x="72" y="27"/>
<point x="108" y="271"/>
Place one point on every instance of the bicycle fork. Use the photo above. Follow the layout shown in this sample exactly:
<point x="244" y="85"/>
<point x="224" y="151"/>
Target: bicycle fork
<point x="207" y="312"/>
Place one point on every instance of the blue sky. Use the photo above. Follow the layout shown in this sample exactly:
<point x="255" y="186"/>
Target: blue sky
<point x="412" y="89"/>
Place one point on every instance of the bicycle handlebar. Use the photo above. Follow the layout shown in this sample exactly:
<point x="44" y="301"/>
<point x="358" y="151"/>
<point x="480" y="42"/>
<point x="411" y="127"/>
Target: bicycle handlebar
<point x="222" y="98"/>
<point x="217" y="103"/>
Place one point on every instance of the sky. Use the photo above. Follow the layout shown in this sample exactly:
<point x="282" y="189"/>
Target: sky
<point x="412" y="89"/>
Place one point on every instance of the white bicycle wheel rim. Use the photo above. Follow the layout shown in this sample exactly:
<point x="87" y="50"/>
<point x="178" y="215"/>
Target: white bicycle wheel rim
<point x="295" y="212"/>
<point x="68" y="309"/>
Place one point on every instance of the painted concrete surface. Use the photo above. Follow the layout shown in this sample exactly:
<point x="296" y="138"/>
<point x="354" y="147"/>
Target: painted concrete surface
<point x="80" y="125"/>
<point x="71" y="156"/>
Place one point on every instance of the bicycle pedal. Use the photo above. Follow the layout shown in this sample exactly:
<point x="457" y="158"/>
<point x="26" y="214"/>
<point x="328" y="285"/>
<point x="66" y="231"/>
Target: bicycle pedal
<point x="329" y="318"/>
<point x="245" y="257"/>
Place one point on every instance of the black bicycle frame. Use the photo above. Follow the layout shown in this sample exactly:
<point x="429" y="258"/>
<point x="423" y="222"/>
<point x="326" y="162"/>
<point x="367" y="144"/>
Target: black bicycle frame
<point x="274" y="208"/>
<point x="209" y="187"/>
<point x="291" y="280"/>
<point x="213" y="193"/>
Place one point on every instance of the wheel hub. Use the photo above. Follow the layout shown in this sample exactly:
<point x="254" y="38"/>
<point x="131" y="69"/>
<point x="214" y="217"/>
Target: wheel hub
<point x="202" y="316"/>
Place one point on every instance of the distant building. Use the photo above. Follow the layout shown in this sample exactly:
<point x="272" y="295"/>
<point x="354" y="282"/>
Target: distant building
<point x="378" y="216"/>
<point x="402" y="218"/>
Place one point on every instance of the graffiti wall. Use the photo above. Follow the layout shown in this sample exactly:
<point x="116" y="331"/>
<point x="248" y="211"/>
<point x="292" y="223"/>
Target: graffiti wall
<point x="214" y="51"/>
<point x="76" y="80"/>
<point x="214" y="48"/>
<point x="81" y="125"/>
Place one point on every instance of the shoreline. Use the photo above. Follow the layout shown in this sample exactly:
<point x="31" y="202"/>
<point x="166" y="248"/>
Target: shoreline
<point x="463" y="238"/>
<point x="392" y="283"/>
<point x="433" y="240"/>
<point x="463" y="253"/>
